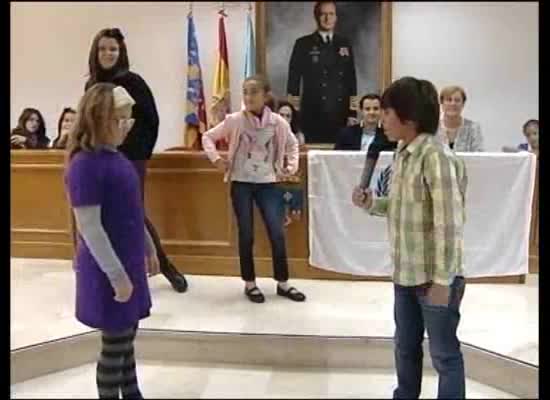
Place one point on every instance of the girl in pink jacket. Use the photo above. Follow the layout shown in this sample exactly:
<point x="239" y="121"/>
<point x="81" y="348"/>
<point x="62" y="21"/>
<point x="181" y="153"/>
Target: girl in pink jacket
<point x="259" y="140"/>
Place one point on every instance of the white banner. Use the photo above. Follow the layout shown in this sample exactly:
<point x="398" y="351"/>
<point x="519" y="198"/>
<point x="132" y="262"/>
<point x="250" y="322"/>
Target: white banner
<point x="345" y="239"/>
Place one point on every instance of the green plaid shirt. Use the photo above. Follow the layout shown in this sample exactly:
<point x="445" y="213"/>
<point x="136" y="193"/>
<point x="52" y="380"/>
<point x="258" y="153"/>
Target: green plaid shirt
<point x="426" y="212"/>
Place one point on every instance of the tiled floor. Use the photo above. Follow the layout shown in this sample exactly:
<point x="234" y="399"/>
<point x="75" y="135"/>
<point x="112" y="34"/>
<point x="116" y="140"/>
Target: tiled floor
<point x="501" y="318"/>
<point x="164" y="380"/>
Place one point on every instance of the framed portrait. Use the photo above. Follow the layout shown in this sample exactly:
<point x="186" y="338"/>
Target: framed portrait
<point x="288" y="40"/>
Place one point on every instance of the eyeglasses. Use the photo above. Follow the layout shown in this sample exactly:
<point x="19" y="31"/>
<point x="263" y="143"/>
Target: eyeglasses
<point x="126" y="124"/>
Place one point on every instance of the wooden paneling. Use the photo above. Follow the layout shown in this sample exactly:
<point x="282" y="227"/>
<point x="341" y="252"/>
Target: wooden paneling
<point x="534" y="234"/>
<point x="187" y="202"/>
<point x="40" y="217"/>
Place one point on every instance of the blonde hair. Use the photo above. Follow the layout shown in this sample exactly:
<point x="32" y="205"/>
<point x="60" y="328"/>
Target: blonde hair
<point x="450" y="90"/>
<point x="95" y="117"/>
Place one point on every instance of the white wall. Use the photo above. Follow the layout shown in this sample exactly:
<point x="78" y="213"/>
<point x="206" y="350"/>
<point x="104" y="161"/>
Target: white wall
<point x="491" y="49"/>
<point x="50" y="42"/>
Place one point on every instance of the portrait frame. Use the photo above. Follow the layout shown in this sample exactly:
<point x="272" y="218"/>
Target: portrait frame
<point x="384" y="45"/>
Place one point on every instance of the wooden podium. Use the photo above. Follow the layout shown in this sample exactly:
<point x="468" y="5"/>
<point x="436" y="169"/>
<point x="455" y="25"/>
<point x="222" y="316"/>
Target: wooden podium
<point x="187" y="202"/>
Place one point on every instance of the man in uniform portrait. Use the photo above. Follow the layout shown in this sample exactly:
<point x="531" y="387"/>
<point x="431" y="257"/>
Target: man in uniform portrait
<point x="323" y="67"/>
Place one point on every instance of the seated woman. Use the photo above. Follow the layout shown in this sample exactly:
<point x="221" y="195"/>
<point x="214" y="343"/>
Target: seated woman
<point x="291" y="191"/>
<point x="461" y="134"/>
<point x="30" y="132"/>
<point x="66" y="121"/>
<point x="288" y="112"/>
<point x="531" y="133"/>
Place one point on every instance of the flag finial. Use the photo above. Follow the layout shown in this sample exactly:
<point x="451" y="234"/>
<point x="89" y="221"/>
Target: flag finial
<point x="222" y="9"/>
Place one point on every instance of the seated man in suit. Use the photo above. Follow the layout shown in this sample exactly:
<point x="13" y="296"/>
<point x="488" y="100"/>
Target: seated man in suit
<point x="368" y="135"/>
<point x="369" y="130"/>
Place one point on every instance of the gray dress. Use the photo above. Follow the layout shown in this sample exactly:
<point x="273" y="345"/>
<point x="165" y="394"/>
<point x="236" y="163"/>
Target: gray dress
<point x="468" y="138"/>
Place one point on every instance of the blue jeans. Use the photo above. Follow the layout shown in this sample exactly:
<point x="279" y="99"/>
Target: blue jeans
<point x="268" y="199"/>
<point x="413" y="313"/>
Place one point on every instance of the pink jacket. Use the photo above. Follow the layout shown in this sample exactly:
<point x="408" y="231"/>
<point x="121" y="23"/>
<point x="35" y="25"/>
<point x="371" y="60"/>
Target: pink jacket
<point x="230" y="129"/>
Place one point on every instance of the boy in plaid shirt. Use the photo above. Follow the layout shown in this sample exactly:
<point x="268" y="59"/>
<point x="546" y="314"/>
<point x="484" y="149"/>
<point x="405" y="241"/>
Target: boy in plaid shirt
<point x="426" y="214"/>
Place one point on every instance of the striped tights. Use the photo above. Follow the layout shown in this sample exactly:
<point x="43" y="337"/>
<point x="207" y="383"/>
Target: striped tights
<point x="116" y="368"/>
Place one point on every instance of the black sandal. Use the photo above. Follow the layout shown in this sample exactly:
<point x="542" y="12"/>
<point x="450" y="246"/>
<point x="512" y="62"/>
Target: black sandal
<point x="254" y="295"/>
<point x="292" y="293"/>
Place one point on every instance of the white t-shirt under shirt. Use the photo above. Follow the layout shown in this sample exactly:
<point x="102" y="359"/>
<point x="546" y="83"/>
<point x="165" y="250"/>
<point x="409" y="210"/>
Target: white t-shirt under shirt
<point x="367" y="138"/>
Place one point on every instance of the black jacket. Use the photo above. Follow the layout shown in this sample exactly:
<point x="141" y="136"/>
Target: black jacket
<point x="141" y="140"/>
<point x="349" y="138"/>
<point x="327" y="75"/>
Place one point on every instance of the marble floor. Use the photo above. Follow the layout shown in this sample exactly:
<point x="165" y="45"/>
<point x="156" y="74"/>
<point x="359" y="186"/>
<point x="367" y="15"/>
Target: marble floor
<point x="501" y="318"/>
<point x="238" y="381"/>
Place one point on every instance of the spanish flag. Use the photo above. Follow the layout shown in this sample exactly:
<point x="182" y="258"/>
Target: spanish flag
<point x="221" y="101"/>
<point x="195" y="115"/>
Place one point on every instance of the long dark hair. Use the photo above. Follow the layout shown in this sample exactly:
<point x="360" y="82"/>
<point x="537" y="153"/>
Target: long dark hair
<point x="122" y="66"/>
<point x="295" y="120"/>
<point x="21" y="129"/>
<point x="66" y="110"/>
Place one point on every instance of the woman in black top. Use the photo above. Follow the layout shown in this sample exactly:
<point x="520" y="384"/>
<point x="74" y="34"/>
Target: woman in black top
<point x="108" y="62"/>
<point x="30" y="132"/>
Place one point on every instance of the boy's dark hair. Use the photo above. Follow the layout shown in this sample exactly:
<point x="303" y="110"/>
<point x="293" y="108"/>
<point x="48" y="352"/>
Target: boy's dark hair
<point x="414" y="100"/>
<point x="122" y="66"/>
<point x="530" y="122"/>
<point x="317" y="9"/>
<point x="370" y="96"/>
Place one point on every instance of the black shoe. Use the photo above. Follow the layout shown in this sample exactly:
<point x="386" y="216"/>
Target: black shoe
<point x="135" y="396"/>
<point x="177" y="280"/>
<point x="292" y="293"/>
<point x="254" y="295"/>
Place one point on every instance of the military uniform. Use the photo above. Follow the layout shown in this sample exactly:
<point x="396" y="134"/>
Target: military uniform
<point x="329" y="85"/>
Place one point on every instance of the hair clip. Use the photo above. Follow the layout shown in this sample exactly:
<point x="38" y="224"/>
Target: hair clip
<point x="117" y="33"/>
<point x="122" y="97"/>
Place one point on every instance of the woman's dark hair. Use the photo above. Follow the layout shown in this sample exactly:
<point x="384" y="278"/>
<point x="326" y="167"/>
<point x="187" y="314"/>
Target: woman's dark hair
<point x="122" y="66"/>
<point x="317" y="9"/>
<point x="530" y="122"/>
<point x="370" y="96"/>
<point x="21" y="129"/>
<point x="295" y="120"/>
<point x="66" y="110"/>
<point x="414" y="100"/>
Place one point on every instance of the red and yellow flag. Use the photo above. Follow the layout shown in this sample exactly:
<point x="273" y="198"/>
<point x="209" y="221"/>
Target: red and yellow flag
<point x="221" y="100"/>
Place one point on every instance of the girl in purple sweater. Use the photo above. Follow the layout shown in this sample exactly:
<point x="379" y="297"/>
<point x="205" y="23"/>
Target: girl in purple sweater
<point x="114" y="251"/>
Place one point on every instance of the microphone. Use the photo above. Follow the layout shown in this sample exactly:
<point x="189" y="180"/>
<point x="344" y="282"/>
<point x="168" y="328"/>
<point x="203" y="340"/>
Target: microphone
<point x="368" y="170"/>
